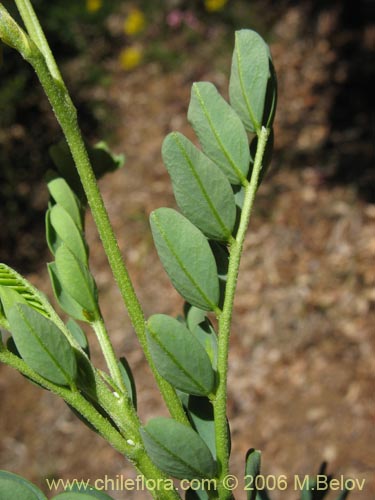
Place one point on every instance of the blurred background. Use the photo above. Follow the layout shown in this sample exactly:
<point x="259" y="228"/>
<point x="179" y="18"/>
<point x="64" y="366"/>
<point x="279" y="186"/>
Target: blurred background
<point x="302" y="359"/>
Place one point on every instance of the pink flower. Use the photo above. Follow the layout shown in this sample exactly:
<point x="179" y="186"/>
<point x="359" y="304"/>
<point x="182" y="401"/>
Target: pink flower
<point x="175" y="18"/>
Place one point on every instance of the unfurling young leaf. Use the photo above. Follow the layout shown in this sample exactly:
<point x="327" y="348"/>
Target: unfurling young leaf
<point x="178" y="356"/>
<point x="187" y="258"/>
<point x="202" y="191"/>
<point x="177" y="449"/>
<point x="11" y="280"/>
<point x="220" y="131"/>
<point x="42" y="345"/>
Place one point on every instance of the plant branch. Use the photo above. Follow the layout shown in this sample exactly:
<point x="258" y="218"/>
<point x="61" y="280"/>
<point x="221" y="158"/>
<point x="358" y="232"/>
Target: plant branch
<point x="220" y="402"/>
<point x="35" y="32"/>
<point x="67" y="117"/>
<point x="109" y="353"/>
<point x="134" y="451"/>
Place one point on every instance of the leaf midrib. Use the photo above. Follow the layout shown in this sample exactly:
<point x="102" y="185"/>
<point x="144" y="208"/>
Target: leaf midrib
<point x="183" y="268"/>
<point x="248" y="106"/>
<point x="215" y="213"/>
<point x="66" y="375"/>
<point x="177" y="363"/>
<point x="176" y="457"/>
<point x="236" y="170"/>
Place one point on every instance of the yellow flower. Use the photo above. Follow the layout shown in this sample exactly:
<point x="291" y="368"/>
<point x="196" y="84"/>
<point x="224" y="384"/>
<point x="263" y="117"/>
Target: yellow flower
<point x="130" y="57"/>
<point x="134" y="22"/>
<point x="214" y="5"/>
<point x="93" y="5"/>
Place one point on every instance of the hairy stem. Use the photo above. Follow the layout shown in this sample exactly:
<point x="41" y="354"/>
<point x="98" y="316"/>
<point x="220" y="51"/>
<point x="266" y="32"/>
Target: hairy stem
<point x="220" y="402"/>
<point x="67" y="117"/>
<point x="35" y="31"/>
<point x="109" y="353"/>
<point x="133" y="451"/>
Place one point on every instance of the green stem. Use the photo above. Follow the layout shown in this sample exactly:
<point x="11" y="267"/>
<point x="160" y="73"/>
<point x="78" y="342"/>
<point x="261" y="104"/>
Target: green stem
<point x="133" y="450"/>
<point x="67" y="117"/>
<point x="109" y="353"/>
<point x="35" y="32"/>
<point x="220" y="402"/>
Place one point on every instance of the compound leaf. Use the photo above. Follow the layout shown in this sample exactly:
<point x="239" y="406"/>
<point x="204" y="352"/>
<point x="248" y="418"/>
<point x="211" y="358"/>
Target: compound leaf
<point x="179" y="356"/>
<point x="186" y="257"/>
<point x="11" y="280"/>
<point x="220" y="131"/>
<point x="202" y="191"/>
<point x="42" y="345"/>
<point x="177" y="449"/>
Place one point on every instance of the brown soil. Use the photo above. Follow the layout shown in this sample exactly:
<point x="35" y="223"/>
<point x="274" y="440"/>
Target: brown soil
<point x="302" y="354"/>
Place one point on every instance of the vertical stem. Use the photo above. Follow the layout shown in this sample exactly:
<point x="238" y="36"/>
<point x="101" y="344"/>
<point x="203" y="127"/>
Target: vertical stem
<point x="67" y="117"/>
<point x="109" y="353"/>
<point x="220" y="402"/>
<point x="35" y="31"/>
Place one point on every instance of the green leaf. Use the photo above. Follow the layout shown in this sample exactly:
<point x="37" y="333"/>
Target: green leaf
<point x="79" y="335"/>
<point x="101" y="159"/>
<point x="52" y="238"/>
<point x="201" y="414"/>
<point x="196" y="494"/>
<point x="68" y="232"/>
<point x="11" y="280"/>
<point x="252" y="469"/>
<point x="62" y="194"/>
<point x="178" y="355"/>
<point x="249" y="76"/>
<point x="177" y="449"/>
<point x="220" y="131"/>
<point x="202" y="329"/>
<point x="83" y="494"/>
<point x="66" y="302"/>
<point x="128" y="379"/>
<point x="271" y="97"/>
<point x="42" y="345"/>
<point x="186" y="257"/>
<point x="202" y="191"/>
<point x="77" y="281"/>
<point x="15" y="487"/>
